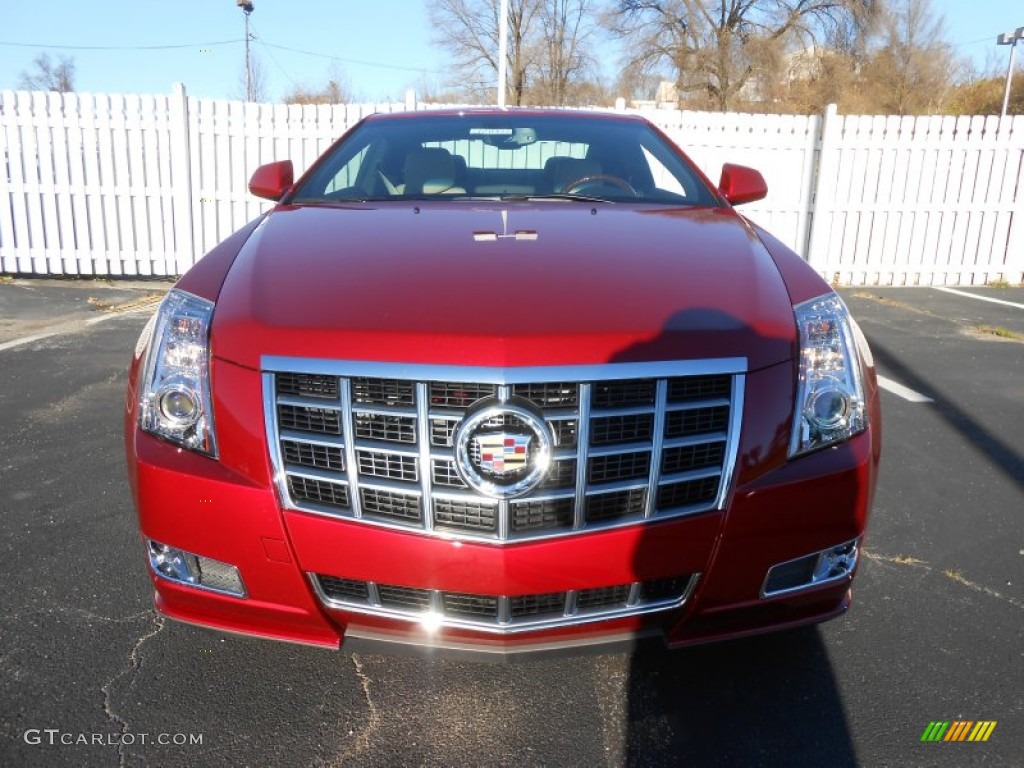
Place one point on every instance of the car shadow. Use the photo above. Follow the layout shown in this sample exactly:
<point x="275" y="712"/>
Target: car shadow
<point x="1002" y="455"/>
<point x="763" y="701"/>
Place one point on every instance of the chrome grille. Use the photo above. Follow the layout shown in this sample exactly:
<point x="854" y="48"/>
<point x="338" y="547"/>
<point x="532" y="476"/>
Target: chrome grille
<point x="542" y="515"/>
<point x="313" y="455"/>
<point x="308" y="385"/>
<point x="388" y="429"/>
<point x="501" y="614"/>
<point x="388" y="504"/>
<point x="615" y="505"/>
<point x="631" y="428"/>
<point x="374" y="442"/>
<point x="305" y="419"/>
<point x="611" y="394"/>
<point x="390" y="465"/>
<point x="318" y="491"/>
<point x="466" y="515"/>
<point x="393" y="392"/>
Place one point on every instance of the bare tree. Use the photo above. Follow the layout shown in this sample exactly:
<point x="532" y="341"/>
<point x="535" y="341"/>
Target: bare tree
<point x="714" y="47"/>
<point x="564" y="58"/>
<point x="549" y="59"/>
<point x="911" y="72"/>
<point x="468" y="29"/>
<point x="336" y="90"/>
<point x="47" y="76"/>
<point x="982" y="94"/>
<point x="258" y="82"/>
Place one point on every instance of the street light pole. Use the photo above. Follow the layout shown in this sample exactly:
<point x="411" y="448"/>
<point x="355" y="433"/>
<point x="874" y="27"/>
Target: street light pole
<point x="502" y="51"/>
<point x="1010" y="39"/>
<point x="247" y="8"/>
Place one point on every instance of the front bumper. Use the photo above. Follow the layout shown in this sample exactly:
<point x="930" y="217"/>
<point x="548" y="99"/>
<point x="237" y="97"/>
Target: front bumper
<point x="798" y="508"/>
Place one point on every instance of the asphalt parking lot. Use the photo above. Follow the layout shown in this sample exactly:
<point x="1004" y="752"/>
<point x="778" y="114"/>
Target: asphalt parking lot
<point x="936" y="632"/>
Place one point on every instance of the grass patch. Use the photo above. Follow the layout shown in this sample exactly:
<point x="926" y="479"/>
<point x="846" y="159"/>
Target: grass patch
<point x="907" y="560"/>
<point x="6" y="279"/>
<point x="997" y="332"/>
<point x="101" y="304"/>
<point x="1000" y="283"/>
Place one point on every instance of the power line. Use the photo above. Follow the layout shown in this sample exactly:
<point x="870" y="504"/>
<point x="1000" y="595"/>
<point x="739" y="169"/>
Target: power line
<point x="352" y="61"/>
<point x="259" y="39"/>
<point x="973" y="42"/>
<point x="118" y="47"/>
<point x="265" y="44"/>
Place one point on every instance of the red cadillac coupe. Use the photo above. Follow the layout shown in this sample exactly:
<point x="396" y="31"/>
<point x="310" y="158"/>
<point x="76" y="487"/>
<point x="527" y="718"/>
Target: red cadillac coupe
<point x="502" y="382"/>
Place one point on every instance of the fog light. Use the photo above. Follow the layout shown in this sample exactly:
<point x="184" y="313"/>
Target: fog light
<point x="837" y="562"/>
<point x="194" y="570"/>
<point x="825" y="567"/>
<point x="171" y="563"/>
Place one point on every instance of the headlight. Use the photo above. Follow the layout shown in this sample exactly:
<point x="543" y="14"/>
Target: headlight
<point x="830" y="393"/>
<point x="174" y="400"/>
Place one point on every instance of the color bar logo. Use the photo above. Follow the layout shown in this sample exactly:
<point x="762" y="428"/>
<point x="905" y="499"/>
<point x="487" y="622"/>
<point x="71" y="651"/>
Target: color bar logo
<point x="959" y="730"/>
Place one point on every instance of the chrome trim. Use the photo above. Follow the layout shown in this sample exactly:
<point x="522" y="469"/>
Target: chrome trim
<point x="470" y="474"/>
<point x="579" y="516"/>
<point x="571" y="617"/>
<point x="500" y="376"/>
<point x="280" y="479"/>
<point x="816" y="581"/>
<point x="426" y="469"/>
<point x="243" y="595"/>
<point x="732" y="442"/>
<point x="425" y="452"/>
<point x="348" y="431"/>
<point x="657" y="447"/>
<point x="363" y="639"/>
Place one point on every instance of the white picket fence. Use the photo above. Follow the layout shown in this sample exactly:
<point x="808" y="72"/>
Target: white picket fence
<point x="95" y="184"/>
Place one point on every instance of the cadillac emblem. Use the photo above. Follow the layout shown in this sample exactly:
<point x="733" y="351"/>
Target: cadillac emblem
<point x="502" y="449"/>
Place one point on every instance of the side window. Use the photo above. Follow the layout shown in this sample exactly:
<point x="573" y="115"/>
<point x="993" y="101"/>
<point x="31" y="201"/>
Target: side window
<point x="348" y="175"/>
<point x="663" y="180"/>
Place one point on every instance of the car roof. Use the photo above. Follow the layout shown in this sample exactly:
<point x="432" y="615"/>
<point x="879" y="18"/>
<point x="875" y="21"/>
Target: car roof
<point x="574" y="114"/>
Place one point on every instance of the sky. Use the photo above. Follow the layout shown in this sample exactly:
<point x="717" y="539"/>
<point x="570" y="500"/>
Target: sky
<point x="382" y="48"/>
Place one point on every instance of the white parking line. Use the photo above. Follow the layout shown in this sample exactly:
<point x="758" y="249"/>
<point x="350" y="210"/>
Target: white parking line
<point x="900" y="391"/>
<point x="24" y="340"/>
<point x="103" y="318"/>
<point x="75" y="326"/>
<point x="980" y="298"/>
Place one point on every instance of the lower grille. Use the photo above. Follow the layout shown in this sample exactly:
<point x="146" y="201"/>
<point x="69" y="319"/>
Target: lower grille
<point x="630" y="442"/>
<point x="497" y="613"/>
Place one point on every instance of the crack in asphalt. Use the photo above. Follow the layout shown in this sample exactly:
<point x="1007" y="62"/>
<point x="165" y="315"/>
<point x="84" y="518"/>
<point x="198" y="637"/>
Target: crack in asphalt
<point x="77" y="613"/>
<point x="54" y="412"/>
<point x="913" y="562"/>
<point x="362" y="741"/>
<point x="134" y="663"/>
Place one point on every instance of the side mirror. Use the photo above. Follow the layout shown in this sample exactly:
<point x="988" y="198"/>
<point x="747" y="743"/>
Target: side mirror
<point x="740" y="184"/>
<point x="272" y="180"/>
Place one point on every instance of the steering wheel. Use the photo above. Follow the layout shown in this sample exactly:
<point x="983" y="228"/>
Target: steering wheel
<point x="599" y="178"/>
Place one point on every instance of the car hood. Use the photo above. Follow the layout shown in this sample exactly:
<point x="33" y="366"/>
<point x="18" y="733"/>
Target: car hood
<point x="516" y="284"/>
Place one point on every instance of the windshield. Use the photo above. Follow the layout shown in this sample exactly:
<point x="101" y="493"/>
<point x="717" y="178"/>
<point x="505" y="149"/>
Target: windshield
<point x="505" y="156"/>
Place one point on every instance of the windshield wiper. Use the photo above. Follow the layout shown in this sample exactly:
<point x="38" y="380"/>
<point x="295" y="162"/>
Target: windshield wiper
<point x="340" y="200"/>
<point x="558" y="196"/>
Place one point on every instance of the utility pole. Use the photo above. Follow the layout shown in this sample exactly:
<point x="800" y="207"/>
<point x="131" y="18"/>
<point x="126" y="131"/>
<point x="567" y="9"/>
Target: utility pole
<point x="1011" y="39"/>
<point x="247" y="8"/>
<point x="502" y="52"/>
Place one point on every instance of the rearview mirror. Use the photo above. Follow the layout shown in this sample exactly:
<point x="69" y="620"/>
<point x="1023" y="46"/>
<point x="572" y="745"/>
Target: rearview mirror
<point x="272" y="180"/>
<point x="740" y="184"/>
